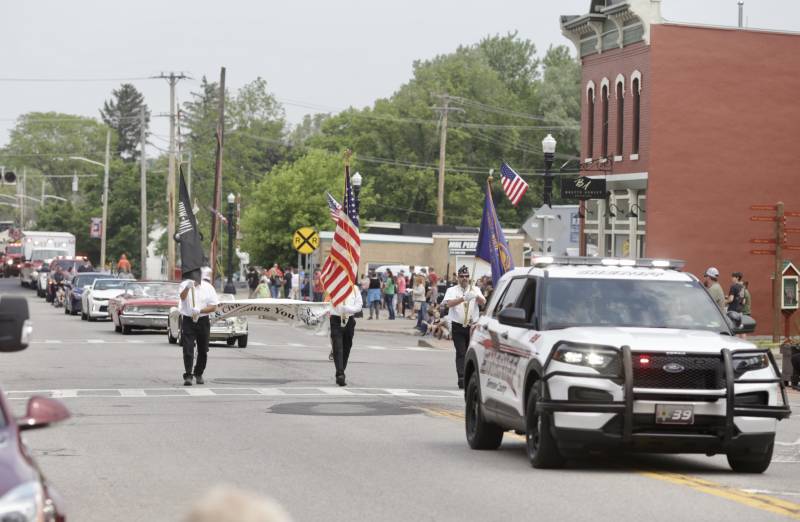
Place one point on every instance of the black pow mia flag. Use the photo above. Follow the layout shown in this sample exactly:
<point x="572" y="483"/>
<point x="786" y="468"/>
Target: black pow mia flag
<point x="188" y="236"/>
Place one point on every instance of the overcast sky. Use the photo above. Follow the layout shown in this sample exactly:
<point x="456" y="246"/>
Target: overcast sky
<point x="317" y="56"/>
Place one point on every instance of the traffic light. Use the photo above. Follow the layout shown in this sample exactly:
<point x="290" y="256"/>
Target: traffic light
<point x="9" y="177"/>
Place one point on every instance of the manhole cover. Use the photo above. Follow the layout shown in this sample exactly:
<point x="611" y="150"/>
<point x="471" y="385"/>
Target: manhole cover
<point x="342" y="409"/>
<point x="254" y="381"/>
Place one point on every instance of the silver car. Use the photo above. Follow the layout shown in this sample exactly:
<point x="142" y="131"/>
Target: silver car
<point x="231" y="330"/>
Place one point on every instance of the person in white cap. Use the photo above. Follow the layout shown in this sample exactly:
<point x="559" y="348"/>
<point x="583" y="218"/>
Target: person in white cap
<point x="714" y="289"/>
<point x="198" y="300"/>
<point x="463" y="301"/>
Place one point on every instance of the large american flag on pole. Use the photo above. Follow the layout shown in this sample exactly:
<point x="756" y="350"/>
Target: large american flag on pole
<point x="513" y="184"/>
<point x="340" y="269"/>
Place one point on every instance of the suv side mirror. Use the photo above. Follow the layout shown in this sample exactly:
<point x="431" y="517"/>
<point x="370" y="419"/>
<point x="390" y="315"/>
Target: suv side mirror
<point x="742" y="324"/>
<point x="41" y="412"/>
<point x="15" y="325"/>
<point x="512" y="316"/>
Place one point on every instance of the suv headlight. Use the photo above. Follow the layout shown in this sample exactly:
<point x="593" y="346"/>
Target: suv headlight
<point x="598" y="357"/>
<point x="749" y="362"/>
<point x="25" y="503"/>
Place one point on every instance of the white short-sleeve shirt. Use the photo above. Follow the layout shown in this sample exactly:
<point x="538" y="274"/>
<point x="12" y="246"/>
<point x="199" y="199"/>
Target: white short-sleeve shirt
<point x="199" y="297"/>
<point x="467" y="312"/>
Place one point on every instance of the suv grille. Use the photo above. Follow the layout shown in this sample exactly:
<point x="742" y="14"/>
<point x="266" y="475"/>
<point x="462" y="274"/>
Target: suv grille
<point x="700" y="372"/>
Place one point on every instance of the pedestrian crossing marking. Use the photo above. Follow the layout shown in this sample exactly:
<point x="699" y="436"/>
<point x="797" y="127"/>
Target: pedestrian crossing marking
<point x="224" y="391"/>
<point x="95" y="341"/>
<point x="251" y="343"/>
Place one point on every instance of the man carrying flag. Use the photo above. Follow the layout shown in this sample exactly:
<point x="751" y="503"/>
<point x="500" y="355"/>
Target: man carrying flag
<point x="197" y="300"/>
<point x="339" y="279"/>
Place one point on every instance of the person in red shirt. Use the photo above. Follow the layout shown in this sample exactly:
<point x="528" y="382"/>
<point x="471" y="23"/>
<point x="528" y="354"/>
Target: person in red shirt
<point x="124" y="266"/>
<point x="317" y="288"/>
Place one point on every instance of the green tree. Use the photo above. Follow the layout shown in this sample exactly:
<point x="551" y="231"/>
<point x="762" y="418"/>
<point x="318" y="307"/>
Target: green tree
<point x="121" y="113"/>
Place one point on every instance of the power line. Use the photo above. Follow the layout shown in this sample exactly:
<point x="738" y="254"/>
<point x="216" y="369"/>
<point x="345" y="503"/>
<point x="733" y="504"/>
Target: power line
<point x="76" y="80"/>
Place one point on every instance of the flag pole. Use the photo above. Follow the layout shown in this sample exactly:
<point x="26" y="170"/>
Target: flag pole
<point x="475" y="257"/>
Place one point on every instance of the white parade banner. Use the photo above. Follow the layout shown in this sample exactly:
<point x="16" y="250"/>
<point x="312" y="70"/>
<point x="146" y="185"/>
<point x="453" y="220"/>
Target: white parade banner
<point x="305" y="315"/>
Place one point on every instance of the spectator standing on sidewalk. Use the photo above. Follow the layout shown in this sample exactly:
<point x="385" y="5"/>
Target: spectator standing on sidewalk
<point x="294" y="284"/>
<point x="317" y="286"/>
<point x="252" y="280"/>
<point x="389" y="291"/>
<point x="735" y="298"/>
<point x="374" y="295"/>
<point x="433" y="279"/>
<point x="713" y="287"/>
<point x="401" y="294"/>
<point x="364" y="289"/>
<point x="275" y="274"/>
<point x="747" y="307"/>
<point x="420" y="301"/>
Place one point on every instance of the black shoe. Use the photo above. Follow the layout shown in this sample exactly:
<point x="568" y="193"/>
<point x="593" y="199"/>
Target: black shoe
<point x="199" y="379"/>
<point x="340" y="380"/>
<point x="187" y="379"/>
<point x="795" y="387"/>
<point x="461" y="384"/>
<point x="330" y="356"/>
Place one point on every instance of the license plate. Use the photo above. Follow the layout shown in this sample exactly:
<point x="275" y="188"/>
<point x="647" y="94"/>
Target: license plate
<point x="674" y="414"/>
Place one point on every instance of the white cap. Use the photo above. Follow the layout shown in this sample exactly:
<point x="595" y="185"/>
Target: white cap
<point x="712" y="272"/>
<point x="205" y="273"/>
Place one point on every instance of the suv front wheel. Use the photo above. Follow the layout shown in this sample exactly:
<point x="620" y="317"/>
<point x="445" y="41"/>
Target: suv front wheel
<point x="752" y="463"/>
<point x="542" y="448"/>
<point x="481" y="435"/>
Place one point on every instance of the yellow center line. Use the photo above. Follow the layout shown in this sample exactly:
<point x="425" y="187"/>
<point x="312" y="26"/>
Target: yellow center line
<point x="754" y="500"/>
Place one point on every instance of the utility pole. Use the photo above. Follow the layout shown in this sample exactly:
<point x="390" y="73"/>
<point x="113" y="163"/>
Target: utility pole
<point x="21" y="190"/>
<point x="189" y="172"/>
<point x="218" y="175"/>
<point x="776" y="287"/>
<point x="106" y="166"/>
<point x="442" y="154"/>
<point x="445" y="109"/>
<point x="143" y="162"/>
<point x="172" y="78"/>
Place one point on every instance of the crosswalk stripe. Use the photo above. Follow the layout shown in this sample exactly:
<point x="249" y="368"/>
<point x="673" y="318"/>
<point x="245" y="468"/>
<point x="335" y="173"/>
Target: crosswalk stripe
<point x="336" y="391"/>
<point x="270" y="391"/>
<point x="95" y="341"/>
<point x="132" y="393"/>
<point x="199" y="392"/>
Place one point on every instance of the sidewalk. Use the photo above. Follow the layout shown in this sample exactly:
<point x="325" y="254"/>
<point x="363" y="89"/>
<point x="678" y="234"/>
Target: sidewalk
<point x="400" y="325"/>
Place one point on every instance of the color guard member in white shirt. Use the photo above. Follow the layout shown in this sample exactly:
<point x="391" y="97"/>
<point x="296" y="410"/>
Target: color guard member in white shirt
<point x="462" y="301"/>
<point x="343" y="326"/>
<point x="198" y="300"/>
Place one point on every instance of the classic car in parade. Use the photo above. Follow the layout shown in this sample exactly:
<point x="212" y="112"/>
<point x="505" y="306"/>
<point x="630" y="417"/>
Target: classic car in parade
<point x="231" y="330"/>
<point x="94" y="299"/>
<point x="143" y="305"/>
<point x="75" y="288"/>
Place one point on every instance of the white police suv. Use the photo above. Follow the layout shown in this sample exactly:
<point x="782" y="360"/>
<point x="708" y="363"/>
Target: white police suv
<point x="582" y="354"/>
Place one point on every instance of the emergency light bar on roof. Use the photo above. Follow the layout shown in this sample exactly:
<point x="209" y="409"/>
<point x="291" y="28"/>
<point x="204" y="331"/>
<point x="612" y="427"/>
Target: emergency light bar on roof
<point x="544" y="261"/>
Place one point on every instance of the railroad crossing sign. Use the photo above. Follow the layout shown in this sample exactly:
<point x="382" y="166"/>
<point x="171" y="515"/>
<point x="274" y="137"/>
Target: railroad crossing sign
<point x="305" y="240"/>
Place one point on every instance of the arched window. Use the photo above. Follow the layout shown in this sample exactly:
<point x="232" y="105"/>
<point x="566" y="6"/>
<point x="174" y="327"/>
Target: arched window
<point x="590" y="121"/>
<point x="635" y="89"/>
<point x="604" y="139"/>
<point x="620" y="116"/>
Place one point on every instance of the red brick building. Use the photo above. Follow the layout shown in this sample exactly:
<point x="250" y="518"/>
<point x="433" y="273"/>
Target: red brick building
<point x="696" y="124"/>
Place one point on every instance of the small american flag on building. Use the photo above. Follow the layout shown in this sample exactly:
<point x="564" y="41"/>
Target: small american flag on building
<point x="334" y="207"/>
<point x="339" y="270"/>
<point x="513" y="185"/>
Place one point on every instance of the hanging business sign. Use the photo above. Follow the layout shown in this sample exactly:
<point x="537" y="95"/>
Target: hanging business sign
<point x="583" y="188"/>
<point x="95" y="228"/>
<point x="462" y="247"/>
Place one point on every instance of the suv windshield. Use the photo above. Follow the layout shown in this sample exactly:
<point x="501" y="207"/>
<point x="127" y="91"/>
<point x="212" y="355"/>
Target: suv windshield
<point x="108" y="284"/>
<point x="630" y="302"/>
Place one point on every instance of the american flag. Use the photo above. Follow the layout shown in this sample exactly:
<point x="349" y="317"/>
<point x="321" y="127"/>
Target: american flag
<point x="513" y="185"/>
<point x="334" y="206"/>
<point x="339" y="270"/>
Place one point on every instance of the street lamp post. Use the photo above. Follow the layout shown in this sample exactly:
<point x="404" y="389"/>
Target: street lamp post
<point x="549" y="149"/>
<point x="230" y="288"/>
<point x="357" y="189"/>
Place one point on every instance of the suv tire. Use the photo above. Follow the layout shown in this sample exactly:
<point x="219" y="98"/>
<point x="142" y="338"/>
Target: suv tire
<point x="752" y="463"/>
<point x="481" y="435"/>
<point x="541" y="445"/>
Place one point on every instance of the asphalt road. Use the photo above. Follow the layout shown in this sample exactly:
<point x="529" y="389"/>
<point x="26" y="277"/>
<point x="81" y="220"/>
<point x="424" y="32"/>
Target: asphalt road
<point x="390" y="446"/>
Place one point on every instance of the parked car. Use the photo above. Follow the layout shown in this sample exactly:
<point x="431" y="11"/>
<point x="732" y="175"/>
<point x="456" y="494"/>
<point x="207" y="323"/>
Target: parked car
<point x="231" y="330"/>
<point x="25" y="493"/>
<point x="94" y="299"/>
<point x="75" y="289"/>
<point x="585" y="354"/>
<point x="143" y="305"/>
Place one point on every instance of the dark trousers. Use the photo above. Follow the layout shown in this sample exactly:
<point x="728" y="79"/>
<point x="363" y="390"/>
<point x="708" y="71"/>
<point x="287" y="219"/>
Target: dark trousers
<point x="388" y="300"/>
<point x="342" y="341"/>
<point x="192" y="333"/>
<point x="461" y="342"/>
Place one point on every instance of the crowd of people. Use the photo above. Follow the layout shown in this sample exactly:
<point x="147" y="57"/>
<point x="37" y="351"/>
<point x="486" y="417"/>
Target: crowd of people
<point x="290" y="282"/>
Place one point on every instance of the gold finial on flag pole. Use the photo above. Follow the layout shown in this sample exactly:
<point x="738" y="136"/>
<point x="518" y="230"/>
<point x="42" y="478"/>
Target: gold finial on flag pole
<point x="491" y="178"/>
<point x="347" y="154"/>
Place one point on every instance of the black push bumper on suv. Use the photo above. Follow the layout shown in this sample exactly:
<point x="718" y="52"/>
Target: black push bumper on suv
<point x="709" y="433"/>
